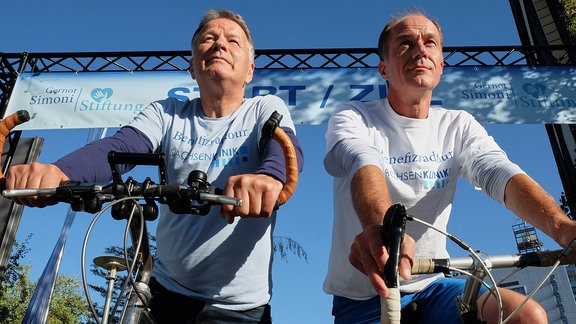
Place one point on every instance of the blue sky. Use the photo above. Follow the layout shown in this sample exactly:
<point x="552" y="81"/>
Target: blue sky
<point x="79" y="26"/>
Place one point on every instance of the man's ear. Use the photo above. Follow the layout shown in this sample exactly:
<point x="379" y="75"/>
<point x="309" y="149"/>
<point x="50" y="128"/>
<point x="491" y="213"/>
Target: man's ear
<point x="382" y="69"/>
<point x="250" y="73"/>
<point x="192" y="68"/>
<point x="442" y="67"/>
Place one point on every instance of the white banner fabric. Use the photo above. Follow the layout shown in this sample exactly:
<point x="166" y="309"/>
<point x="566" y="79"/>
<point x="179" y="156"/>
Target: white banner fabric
<point x="508" y="94"/>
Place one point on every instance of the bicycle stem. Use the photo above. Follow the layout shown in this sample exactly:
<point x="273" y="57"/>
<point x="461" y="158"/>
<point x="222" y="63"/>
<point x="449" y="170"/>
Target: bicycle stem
<point x="466" y="302"/>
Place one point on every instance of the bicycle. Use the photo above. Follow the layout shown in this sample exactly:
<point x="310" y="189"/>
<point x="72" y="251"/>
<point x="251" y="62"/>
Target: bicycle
<point x="123" y="199"/>
<point x="476" y="266"/>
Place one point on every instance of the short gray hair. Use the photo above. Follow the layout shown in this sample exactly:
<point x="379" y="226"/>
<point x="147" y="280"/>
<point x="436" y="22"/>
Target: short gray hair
<point x="220" y="13"/>
<point x="383" y="40"/>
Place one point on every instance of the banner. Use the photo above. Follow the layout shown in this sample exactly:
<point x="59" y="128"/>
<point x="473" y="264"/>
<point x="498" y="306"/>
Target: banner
<point x="507" y="94"/>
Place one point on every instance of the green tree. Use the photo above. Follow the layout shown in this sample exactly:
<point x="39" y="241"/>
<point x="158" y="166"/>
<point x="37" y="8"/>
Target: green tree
<point x="68" y="302"/>
<point x="283" y="246"/>
<point x="569" y="16"/>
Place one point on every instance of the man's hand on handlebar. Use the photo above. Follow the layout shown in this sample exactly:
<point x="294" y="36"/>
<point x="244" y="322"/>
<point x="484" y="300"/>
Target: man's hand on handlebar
<point x="33" y="176"/>
<point x="369" y="255"/>
<point x="259" y="194"/>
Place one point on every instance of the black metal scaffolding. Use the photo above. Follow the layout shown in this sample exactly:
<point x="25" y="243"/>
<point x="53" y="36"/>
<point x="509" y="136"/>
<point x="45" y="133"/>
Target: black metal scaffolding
<point x="12" y="64"/>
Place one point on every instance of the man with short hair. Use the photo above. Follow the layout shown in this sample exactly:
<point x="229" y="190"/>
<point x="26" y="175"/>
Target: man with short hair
<point x="374" y="149"/>
<point x="209" y="269"/>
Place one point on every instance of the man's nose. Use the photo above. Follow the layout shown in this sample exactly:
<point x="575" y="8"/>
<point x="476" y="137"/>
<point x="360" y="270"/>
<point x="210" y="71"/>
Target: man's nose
<point x="420" y="50"/>
<point x="219" y="44"/>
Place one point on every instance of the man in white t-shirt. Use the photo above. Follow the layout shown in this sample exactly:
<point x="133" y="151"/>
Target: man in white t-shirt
<point x="209" y="269"/>
<point x="400" y="150"/>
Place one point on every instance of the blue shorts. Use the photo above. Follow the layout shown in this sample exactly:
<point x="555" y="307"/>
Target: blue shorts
<point x="436" y="302"/>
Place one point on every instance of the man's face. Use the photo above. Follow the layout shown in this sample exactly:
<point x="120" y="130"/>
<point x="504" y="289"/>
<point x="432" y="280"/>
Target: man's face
<point x="414" y="55"/>
<point x="222" y="53"/>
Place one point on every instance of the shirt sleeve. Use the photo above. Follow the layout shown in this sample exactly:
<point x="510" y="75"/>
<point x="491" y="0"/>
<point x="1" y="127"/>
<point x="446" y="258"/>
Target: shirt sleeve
<point x="89" y="164"/>
<point x="349" y="155"/>
<point x="272" y="156"/>
<point x="347" y="143"/>
<point x="485" y="165"/>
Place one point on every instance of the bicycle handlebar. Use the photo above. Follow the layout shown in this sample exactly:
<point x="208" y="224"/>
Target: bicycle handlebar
<point x="90" y="197"/>
<point x="80" y="196"/>
<point x="530" y="259"/>
<point x="390" y="307"/>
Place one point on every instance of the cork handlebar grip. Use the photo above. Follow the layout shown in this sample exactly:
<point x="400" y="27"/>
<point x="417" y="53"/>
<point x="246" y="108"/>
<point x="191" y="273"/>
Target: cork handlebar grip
<point x="272" y="130"/>
<point x="8" y="123"/>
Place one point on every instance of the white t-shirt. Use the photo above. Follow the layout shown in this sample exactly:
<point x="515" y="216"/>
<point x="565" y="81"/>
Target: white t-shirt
<point x="422" y="160"/>
<point x="202" y="256"/>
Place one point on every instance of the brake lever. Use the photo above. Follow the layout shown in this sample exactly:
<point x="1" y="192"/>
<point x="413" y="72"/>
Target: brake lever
<point x="394" y="225"/>
<point x="82" y="198"/>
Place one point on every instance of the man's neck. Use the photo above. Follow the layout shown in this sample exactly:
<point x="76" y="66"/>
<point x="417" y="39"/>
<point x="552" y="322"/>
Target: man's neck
<point x="416" y="107"/>
<point x="220" y="101"/>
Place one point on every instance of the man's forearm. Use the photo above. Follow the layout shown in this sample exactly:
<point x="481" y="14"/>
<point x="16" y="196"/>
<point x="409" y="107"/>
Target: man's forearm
<point x="370" y="195"/>
<point x="529" y="201"/>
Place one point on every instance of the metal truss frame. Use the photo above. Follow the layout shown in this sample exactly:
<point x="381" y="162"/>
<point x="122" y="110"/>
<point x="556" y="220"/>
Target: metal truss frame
<point x="12" y="64"/>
